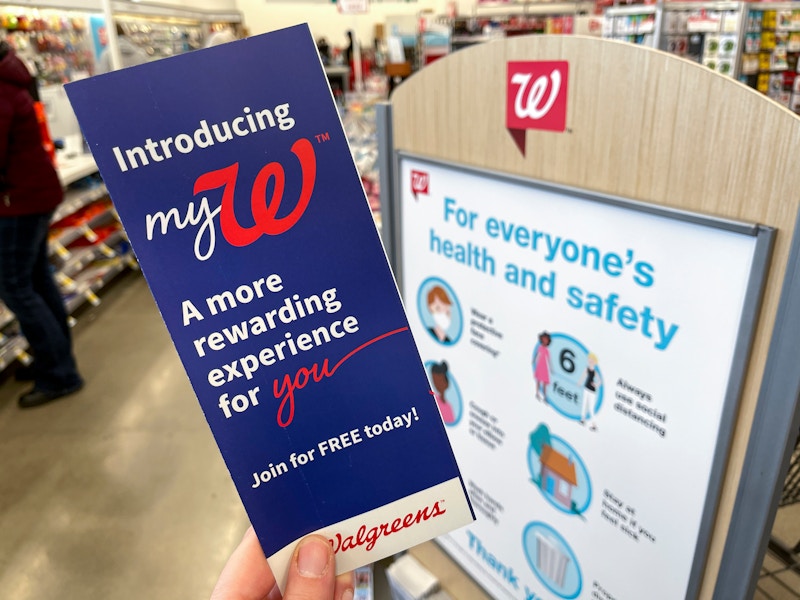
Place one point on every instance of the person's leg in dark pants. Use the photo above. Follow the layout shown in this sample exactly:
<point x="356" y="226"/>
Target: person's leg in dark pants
<point x="45" y="286"/>
<point x="27" y="288"/>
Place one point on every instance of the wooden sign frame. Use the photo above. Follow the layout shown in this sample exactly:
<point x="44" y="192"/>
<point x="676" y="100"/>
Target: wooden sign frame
<point x="648" y="126"/>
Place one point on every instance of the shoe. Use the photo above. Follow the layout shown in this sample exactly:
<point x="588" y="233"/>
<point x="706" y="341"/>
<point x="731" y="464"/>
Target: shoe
<point x="38" y="397"/>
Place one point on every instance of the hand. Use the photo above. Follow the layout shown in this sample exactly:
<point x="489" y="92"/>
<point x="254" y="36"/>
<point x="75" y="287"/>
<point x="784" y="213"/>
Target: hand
<point x="247" y="576"/>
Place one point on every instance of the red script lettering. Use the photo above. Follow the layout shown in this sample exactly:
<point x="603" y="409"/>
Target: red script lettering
<point x="264" y="212"/>
<point x="285" y="389"/>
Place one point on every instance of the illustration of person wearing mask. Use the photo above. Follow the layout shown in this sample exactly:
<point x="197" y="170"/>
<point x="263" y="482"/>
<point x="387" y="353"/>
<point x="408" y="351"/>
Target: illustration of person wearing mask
<point x="440" y="383"/>
<point x="440" y="306"/>
<point x="591" y="381"/>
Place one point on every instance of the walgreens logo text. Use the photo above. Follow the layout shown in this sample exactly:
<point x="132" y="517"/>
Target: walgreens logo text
<point x="264" y="209"/>
<point x="536" y="96"/>
<point x="368" y="537"/>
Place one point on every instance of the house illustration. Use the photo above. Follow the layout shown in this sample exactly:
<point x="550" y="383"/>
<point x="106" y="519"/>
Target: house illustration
<point x="558" y="475"/>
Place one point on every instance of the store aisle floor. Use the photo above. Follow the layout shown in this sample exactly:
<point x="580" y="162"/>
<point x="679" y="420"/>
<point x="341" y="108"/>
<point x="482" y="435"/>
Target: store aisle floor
<point x="118" y="491"/>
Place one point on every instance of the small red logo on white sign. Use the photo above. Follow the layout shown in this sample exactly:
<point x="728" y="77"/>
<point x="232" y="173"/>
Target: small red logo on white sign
<point x="420" y="181"/>
<point x="537" y="95"/>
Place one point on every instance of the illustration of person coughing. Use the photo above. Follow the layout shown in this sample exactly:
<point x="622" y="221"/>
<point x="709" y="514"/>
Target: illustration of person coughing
<point x="440" y="383"/>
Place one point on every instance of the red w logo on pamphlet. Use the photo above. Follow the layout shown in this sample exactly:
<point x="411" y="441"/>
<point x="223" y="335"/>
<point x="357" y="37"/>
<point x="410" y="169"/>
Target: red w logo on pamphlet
<point x="536" y="97"/>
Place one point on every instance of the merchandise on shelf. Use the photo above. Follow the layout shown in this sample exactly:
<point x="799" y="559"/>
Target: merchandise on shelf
<point x="759" y="43"/>
<point x="360" y="128"/>
<point x="64" y="45"/>
<point x="771" y="50"/>
<point x="363" y="586"/>
<point x="637" y="24"/>
<point x="522" y="19"/>
<point x="13" y="347"/>
<point x="160" y="38"/>
<point x="57" y="45"/>
<point x="83" y="215"/>
<point x="707" y="34"/>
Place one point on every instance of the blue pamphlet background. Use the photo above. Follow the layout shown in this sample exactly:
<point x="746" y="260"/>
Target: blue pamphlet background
<point x="333" y="245"/>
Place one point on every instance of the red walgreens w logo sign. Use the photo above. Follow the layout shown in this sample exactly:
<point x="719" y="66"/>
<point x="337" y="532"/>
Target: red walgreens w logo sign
<point x="536" y="97"/>
<point x="420" y="180"/>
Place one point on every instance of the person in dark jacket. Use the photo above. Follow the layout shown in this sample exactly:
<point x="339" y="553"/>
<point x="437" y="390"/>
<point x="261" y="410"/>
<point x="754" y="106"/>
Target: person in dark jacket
<point x="29" y="192"/>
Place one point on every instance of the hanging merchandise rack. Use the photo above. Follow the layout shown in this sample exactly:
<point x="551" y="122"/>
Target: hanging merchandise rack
<point x="636" y="23"/>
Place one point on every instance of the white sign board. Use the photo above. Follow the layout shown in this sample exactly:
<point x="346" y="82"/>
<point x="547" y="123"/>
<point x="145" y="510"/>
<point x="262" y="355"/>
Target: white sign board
<point x="580" y="352"/>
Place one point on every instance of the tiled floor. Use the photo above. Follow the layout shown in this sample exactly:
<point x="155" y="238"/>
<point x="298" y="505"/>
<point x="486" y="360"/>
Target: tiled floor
<point x="779" y="581"/>
<point x="119" y="492"/>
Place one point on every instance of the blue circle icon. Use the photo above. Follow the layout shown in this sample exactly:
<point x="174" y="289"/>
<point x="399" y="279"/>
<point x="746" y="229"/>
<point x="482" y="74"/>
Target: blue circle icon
<point x="568" y="371"/>
<point x="446" y="391"/>
<point x="439" y="311"/>
<point x="552" y="560"/>
<point x="559" y="473"/>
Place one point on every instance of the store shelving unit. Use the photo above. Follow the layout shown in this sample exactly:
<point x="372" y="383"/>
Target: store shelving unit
<point x="756" y="42"/>
<point x="55" y="43"/>
<point x="163" y="31"/>
<point x="709" y="33"/>
<point x="60" y="39"/>
<point x="489" y="22"/>
<point x="13" y="349"/>
<point x="160" y="39"/>
<point x="87" y="245"/>
<point x="771" y="50"/>
<point x="636" y="23"/>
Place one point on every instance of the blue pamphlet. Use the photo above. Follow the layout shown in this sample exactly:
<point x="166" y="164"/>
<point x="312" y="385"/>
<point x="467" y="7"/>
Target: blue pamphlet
<point x="233" y="178"/>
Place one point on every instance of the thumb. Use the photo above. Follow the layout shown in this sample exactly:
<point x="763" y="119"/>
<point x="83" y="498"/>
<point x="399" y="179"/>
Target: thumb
<point x="312" y="574"/>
